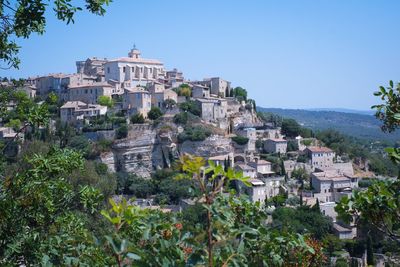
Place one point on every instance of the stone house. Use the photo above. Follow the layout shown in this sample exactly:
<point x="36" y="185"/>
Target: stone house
<point x="92" y="67"/>
<point x="174" y="78"/>
<point x="257" y="190"/>
<point x="29" y="90"/>
<point x="275" y="145"/>
<point x="137" y="100"/>
<point x="73" y="111"/>
<point x="321" y="157"/>
<point x="90" y="93"/>
<point x="247" y="170"/>
<point x="200" y="91"/>
<point x="212" y="109"/>
<point x="263" y="167"/>
<point x="59" y="82"/>
<point x="158" y="98"/>
<point x="218" y="86"/>
<point x="331" y="185"/>
<point x="249" y="133"/>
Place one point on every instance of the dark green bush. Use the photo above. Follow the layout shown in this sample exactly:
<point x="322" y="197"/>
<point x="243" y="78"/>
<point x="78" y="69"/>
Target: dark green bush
<point x="121" y="132"/>
<point x="197" y="133"/>
<point x="240" y="140"/>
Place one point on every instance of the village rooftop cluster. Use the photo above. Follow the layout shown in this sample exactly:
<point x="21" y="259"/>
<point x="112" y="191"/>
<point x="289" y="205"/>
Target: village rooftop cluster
<point x="137" y="85"/>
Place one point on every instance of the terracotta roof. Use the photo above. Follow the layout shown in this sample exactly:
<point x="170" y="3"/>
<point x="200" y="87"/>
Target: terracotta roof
<point x="319" y="149"/>
<point x="136" y="60"/>
<point x="73" y="104"/>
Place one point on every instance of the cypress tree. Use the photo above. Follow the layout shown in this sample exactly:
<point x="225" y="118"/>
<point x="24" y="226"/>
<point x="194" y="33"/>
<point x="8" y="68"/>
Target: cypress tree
<point x="370" y="251"/>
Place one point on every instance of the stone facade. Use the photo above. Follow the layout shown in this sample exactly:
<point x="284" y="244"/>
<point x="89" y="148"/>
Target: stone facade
<point x="73" y="111"/>
<point x="134" y="69"/>
<point x="275" y="146"/>
<point x="212" y="109"/>
<point x="137" y="100"/>
<point x="321" y="157"/>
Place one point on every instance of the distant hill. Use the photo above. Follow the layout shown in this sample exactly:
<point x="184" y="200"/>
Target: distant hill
<point x="344" y="110"/>
<point x="353" y="124"/>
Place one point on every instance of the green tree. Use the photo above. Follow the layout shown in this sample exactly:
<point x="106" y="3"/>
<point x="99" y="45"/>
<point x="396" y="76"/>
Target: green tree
<point x="154" y="113"/>
<point x="291" y="128"/>
<point x="42" y="218"/>
<point x="370" y="251"/>
<point x="22" y="18"/>
<point x="121" y="132"/>
<point x="240" y="93"/>
<point x="137" y="118"/>
<point x="105" y="101"/>
<point x="379" y="204"/>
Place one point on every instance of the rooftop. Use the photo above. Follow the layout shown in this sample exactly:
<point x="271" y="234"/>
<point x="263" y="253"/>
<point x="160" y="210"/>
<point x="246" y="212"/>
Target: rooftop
<point x="319" y="149"/>
<point x="73" y="104"/>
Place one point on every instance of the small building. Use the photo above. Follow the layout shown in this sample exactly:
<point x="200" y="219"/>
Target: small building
<point x="273" y="185"/>
<point x="200" y="91"/>
<point x="275" y="146"/>
<point x="257" y="190"/>
<point x="247" y="170"/>
<point x="223" y="159"/>
<point x="212" y="109"/>
<point x="92" y="67"/>
<point x="321" y="157"/>
<point x="174" y="78"/>
<point x="73" y="111"/>
<point x="331" y="186"/>
<point x="343" y="232"/>
<point x="155" y="87"/>
<point x="158" y="98"/>
<point x="263" y="167"/>
<point x="137" y="100"/>
<point x="29" y="90"/>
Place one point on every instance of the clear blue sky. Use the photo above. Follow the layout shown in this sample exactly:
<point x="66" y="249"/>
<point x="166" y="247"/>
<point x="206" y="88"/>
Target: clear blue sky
<point x="290" y="54"/>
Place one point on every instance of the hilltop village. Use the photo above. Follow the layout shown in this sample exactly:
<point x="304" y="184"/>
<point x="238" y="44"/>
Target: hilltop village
<point x="150" y="116"/>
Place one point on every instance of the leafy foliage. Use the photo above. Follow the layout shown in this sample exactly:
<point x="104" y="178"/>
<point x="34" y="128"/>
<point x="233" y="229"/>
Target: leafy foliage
<point x="196" y="133"/>
<point x="105" y="101"/>
<point x="22" y="18"/>
<point x="190" y="106"/>
<point x="240" y="140"/>
<point x="154" y="113"/>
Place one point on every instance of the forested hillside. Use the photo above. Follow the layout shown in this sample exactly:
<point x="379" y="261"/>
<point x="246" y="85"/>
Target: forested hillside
<point x="357" y="125"/>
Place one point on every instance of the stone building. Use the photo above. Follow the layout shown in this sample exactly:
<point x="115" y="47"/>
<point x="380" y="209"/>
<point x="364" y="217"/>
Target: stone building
<point x="275" y="146"/>
<point x="212" y="109"/>
<point x="134" y="70"/>
<point x="249" y="133"/>
<point x="263" y="167"/>
<point x="218" y="86"/>
<point x="158" y="98"/>
<point x="173" y="78"/>
<point x="137" y="100"/>
<point x="321" y="157"/>
<point x="331" y="185"/>
<point x="73" y="111"/>
<point x="59" y="82"/>
<point x="200" y="91"/>
<point x="92" y="67"/>
<point x="90" y="93"/>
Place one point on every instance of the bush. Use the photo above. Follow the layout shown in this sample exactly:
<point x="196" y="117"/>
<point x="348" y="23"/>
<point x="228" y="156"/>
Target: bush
<point x="197" y="133"/>
<point x="181" y="118"/>
<point x="192" y="107"/>
<point x="240" y="140"/>
<point x="105" y="101"/>
<point x="137" y="118"/>
<point x="154" y="113"/>
<point x="121" y="132"/>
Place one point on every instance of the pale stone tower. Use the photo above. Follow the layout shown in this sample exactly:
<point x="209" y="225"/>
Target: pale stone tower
<point x="134" y="53"/>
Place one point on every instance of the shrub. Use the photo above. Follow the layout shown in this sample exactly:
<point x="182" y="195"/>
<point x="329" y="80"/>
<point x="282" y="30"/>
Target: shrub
<point x="137" y="118"/>
<point x="240" y="140"/>
<point x="154" y="113"/>
<point x="181" y="118"/>
<point x="197" y="133"/>
<point x="105" y="101"/>
<point x="121" y="132"/>
<point x="192" y="107"/>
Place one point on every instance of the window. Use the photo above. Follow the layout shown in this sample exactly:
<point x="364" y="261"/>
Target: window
<point x="123" y="69"/>
<point x="133" y="69"/>
<point x="108" y="69"/>
<point x="86" y="91"/>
